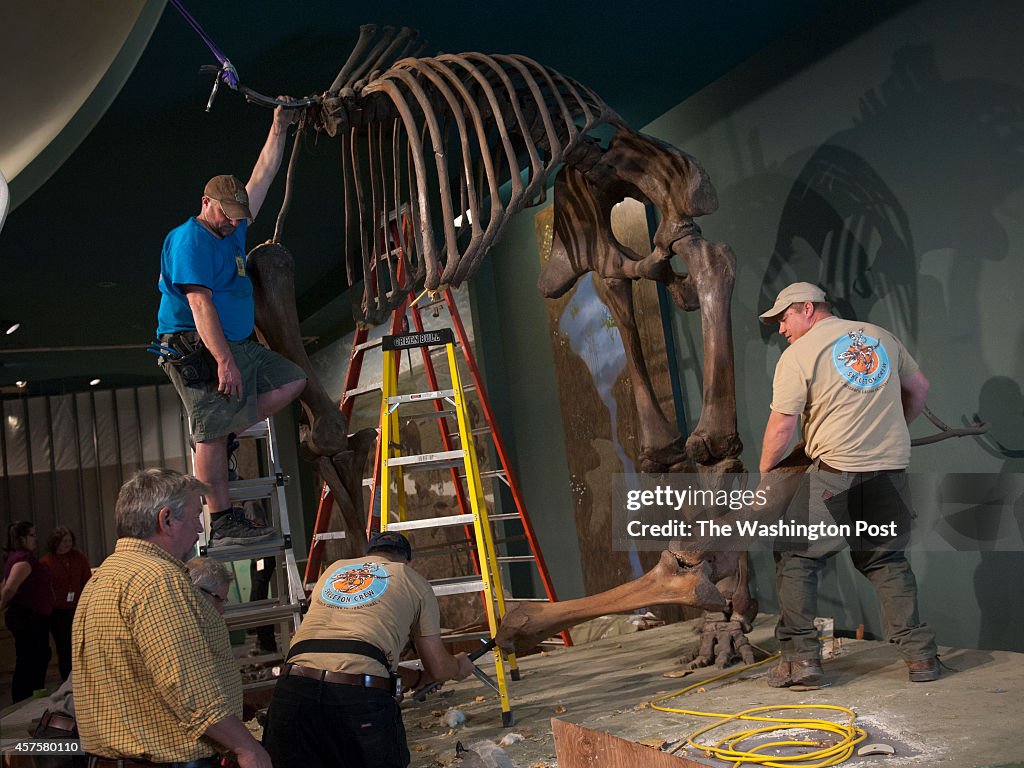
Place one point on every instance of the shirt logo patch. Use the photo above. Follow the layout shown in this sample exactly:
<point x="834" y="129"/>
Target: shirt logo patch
<point x="240" y="263"/>
<point x="355" y="584"/>
<point x="861" y="360"/>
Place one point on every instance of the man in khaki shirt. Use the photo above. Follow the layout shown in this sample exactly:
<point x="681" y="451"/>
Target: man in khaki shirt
<point x="154" y="678"/>
<point x="856" y="389"/>
<point x="334" y="704"/>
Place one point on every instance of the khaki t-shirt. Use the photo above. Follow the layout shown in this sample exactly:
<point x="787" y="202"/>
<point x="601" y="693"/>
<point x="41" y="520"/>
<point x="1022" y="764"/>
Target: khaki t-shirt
<point x="843" y="378"/>
<point x="372" y="599"/>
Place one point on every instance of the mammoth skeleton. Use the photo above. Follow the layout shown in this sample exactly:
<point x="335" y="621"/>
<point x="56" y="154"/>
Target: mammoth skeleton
<point x="455" y="145"/>
<point x="449" y="148"/>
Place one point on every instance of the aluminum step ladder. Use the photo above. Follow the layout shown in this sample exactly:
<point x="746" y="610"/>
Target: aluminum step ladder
<point x="286" y="603"/>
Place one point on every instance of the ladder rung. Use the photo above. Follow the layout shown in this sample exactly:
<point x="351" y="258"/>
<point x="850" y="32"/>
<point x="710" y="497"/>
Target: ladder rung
<point x="431" y="522"/>
<point x="510" y="599"/>
<point x="239" y="615"/>
<point x="431" y="414"/>
<point x="417" y="397"/>
<point x="329" y="535"/>
<point x="458" y="637"/>
<point x="489" y="473"/>
<point x="477" y="431"/>
<point x="457" y="585"/>
<point x="371" y="387"/>
<point x="515" y="558"/>
<point x="505" y="516"/>
<point x="368" y="344"/>
<point x="431" y="459"/>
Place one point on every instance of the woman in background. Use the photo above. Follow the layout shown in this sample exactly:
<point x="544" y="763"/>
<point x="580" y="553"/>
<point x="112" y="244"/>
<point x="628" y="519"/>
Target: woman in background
<point x="69" y="569"/>
<point x="27" y="600"/>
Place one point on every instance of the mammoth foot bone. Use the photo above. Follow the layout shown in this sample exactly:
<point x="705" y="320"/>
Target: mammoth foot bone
<point x="722" y="640"/>
<point x="671" y="582"/>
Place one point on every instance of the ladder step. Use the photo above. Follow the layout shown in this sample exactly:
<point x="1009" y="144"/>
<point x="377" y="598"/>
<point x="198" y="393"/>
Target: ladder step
<point x="241" y="615"/>
<point x="368" y="344"/>
<point x="431" y="522"/>
<point x="457" y="585"/>
<point x="428" y="460"/>
<point x="329" y="535"/>
<point x="458" y="637"/>
<point x="416" y="397"/>
<point x="477" y="431"/>
<point x="515" y="558"/>
<point x="255" y="488"/>
<point x="431" y="414"/>
<point x="505" y="516"/>
<point x="490" y="473"/>
<point x="257" y="430"/>
<point x="231" y="552"/>
<point x="373" y="386"/>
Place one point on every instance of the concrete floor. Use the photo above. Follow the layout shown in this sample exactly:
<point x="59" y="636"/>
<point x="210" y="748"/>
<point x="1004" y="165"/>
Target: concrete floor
<point x="971" y="716"/>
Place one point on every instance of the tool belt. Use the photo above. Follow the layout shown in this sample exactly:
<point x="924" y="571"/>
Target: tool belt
<point x="194" y="362"/>
<point x="95" y="761"/>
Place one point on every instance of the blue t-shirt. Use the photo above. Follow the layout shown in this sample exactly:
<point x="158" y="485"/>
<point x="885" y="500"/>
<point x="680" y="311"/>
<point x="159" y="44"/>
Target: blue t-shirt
<point x="193" y="255"/>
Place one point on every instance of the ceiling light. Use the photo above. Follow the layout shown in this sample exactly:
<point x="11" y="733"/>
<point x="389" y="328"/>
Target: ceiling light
<point x="21" y="384"/>
<point x="94" y="382"/>
<point x="13" y="328"/>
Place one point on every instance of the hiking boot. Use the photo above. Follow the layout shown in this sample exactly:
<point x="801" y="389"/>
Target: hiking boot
<point x="802" y="672"/>
<point x="923" y="670"/>
<point x="236" y="528"/>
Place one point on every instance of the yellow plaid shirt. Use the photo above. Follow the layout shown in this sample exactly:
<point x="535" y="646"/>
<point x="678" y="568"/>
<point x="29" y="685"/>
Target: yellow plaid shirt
<point x="152" y="667"/>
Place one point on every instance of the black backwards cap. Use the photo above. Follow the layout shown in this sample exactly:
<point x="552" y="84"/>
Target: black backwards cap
<point x="392" y="540"/>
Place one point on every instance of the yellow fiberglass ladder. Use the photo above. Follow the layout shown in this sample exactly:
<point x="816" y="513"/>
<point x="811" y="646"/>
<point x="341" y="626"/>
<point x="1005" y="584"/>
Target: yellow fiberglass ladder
<point x="394" y="466"/>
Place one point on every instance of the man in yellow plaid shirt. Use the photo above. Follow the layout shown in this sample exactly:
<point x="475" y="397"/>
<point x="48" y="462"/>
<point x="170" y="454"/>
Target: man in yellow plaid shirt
<point x="154" y="678"/>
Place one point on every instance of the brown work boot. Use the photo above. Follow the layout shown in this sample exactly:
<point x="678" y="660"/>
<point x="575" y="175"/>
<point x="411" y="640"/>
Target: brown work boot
<point x="802" y="672"/>
<point x="923" y="670"/>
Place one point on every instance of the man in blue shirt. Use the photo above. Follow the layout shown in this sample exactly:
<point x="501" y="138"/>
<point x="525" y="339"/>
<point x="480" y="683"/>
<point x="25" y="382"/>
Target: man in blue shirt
<point x="206" y="302"/>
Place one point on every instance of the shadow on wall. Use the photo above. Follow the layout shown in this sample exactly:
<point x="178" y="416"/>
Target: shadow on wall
<point x="941" y="154"/>
<point x="954" y="145"/>
<point x="1002" y="605"/>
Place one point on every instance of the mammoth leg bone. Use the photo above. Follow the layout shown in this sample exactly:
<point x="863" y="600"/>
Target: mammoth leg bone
<point x="272" y="271"/>
<point x="324" y="437"/>
<point x="672" y="581"/>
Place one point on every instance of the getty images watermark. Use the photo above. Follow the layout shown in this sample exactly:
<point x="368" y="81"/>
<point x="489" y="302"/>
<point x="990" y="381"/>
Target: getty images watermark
<point x="820" y="512"/>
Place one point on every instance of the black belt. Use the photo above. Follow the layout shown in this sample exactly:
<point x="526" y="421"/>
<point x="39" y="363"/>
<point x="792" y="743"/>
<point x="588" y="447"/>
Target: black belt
<point x="95" y="761"/>
<point x="826" y="468"/>
<point x="338" y="678"/>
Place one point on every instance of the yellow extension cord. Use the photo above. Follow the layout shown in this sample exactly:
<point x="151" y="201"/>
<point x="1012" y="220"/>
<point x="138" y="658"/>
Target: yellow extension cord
<point x="728" y="748"/>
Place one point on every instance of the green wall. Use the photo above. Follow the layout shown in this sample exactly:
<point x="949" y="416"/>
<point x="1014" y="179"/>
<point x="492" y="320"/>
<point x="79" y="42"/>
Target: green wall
<point x="886" y="165"/>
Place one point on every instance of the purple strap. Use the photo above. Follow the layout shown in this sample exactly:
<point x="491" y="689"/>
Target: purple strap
<point x="227" y="72"/>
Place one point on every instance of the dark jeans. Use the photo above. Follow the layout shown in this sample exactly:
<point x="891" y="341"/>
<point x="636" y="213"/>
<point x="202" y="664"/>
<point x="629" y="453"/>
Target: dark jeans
<point x="841" y="497"/>
<point x="311" y="724"/>
<point x="60" y="628"/>
<point x="31" y="632"/>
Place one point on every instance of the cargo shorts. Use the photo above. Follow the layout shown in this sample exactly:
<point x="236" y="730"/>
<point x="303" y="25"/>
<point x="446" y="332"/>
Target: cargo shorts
<point x="210" y="414"/>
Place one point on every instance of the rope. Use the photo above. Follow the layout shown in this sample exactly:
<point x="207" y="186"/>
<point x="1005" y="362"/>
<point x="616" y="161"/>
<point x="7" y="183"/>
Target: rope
<point x="729" y="748"/>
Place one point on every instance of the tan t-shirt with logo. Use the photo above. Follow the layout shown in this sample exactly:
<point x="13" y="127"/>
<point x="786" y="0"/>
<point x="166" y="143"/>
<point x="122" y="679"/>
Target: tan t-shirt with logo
<point x="371" y="599"/>
<point x="843" y="378"/>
